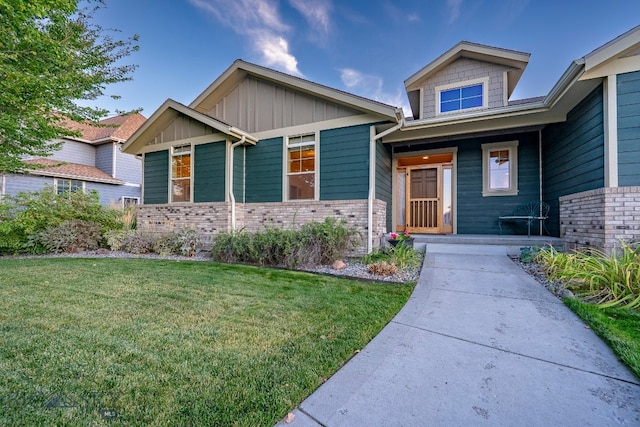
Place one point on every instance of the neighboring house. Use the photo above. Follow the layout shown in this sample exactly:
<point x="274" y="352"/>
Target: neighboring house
<point x="259" y="147"/>
<point x="92" y="161"/>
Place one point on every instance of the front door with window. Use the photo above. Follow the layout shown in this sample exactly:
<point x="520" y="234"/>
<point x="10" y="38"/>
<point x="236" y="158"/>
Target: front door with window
<point x="427" y="206"/>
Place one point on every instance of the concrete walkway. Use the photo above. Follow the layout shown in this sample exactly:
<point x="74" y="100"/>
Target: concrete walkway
<point x="478" y="343"/>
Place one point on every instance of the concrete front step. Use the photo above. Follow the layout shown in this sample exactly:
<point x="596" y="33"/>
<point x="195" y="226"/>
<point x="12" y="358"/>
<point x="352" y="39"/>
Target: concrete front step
<point x="481" y="244"/>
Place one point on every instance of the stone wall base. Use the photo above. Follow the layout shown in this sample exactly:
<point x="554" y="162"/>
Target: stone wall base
<point x="600" y="218"/>
<point x="210" y="219"/>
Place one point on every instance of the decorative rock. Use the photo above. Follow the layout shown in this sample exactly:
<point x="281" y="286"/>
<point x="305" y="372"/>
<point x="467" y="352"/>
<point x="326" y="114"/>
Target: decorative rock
<point x="565" y="293"/>
<point x="339" y="265"/>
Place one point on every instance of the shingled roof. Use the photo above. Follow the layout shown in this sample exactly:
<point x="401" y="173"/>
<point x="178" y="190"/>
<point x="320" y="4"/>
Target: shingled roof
<point x="56" y="168"/>
<point x="117" y="128"/>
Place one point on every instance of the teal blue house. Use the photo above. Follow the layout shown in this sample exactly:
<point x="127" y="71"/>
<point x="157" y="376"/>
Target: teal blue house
<point x="261" y="148"/>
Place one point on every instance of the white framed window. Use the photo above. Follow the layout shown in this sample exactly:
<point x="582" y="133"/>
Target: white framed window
<point x="500" y="169"/>
<point x="68" y="185"/>
<point x="181" y="173"/>
<point x="462" y="96"/>
<point x="301" y="175"/>
<point x="129" y="201"/>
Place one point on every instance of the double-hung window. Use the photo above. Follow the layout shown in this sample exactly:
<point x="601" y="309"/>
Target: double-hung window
<point x="462" y="96"/>
<point x="301" y="167"/>
<point x="500" y="169"/>
<point x="181" y="174"/>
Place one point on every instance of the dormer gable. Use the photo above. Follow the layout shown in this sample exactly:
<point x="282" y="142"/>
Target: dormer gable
<point x="468" y="77"/>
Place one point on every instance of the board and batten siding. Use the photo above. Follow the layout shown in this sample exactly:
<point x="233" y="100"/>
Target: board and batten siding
<point x="573" y="155"/>
<point x="257" y="105"/>
<point x="156" y="177"/>
<point x="384" y="182"/>
<point x="344" y="163"/>
<point x="263" y="179"/>
<point x="628" y="88"/>
<point x="209" y="172"/>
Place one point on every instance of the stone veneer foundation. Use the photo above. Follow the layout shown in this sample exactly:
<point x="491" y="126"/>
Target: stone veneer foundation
<point x="600" y="218"/>
<point x="210" y="219"/>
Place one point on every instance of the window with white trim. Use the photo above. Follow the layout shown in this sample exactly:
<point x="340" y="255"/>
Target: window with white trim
<point x="181" y="174"/>
<point x="68" y="185"/>
<point x="129" y="201"/>
<point x="462" y="96"/>
<point x="301" y="167"/>
<point x="500" y="169"/>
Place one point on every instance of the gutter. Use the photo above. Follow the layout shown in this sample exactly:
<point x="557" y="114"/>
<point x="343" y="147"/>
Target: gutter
<point x="232" y="197"/>
<point x="372" y="174"/>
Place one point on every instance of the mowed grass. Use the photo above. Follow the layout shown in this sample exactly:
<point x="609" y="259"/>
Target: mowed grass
<point x="618" y="327"/>
<point x="151" y="342"/>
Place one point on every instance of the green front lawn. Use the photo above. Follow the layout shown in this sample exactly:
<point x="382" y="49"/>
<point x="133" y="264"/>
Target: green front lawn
<point x="144" y="342"/>
<point x="618" y="327"/>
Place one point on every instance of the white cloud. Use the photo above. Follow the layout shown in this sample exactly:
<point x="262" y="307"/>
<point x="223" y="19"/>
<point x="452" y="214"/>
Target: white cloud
<point x="317" y="14"/>
<point x="372" y="87"/>
<point x="454" y="10"/>
<point x="413" y="17"/>
<point x="275" y="50"/>
<point x="261" y="23"/>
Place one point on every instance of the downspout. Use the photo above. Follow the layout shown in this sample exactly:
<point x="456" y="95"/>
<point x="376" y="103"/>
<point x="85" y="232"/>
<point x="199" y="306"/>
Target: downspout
<point x="372" y="176"/>
<point x="232" y="198"/>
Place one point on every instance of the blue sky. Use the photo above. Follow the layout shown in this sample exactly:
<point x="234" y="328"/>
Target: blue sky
<point x="367" y="47"/>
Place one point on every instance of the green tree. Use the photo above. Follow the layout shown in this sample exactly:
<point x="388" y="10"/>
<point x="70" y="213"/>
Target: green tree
<point x="51" y="57"/>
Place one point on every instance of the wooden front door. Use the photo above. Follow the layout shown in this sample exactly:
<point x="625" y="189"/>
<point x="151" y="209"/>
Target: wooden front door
<point x="428" y="191"/>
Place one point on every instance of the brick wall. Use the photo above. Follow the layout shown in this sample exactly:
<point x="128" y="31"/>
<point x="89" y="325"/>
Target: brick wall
<point x="600" y="218"/>
<point x="212" y="218"/>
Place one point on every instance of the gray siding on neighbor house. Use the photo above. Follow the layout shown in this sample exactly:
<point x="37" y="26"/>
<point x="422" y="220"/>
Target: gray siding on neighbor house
<point x="384" y="182"/>
<point x="344" y="163"/>
<point x="477" y="214"/>
<point x="263" y="179"/>
<point x="257" y="105"/>
<point x="128" y="167"/>
<point x="104" y="158"/>
<point x="573" y="154"/>
<point x="111" y="194"/>
<point x="76" y="152"/>
<point x="209" y="162"/>
<point x="156" y="177"/>
<point x="462" y="70"/>
<point x="628" y="88"/>
<point x="16" y="183"/>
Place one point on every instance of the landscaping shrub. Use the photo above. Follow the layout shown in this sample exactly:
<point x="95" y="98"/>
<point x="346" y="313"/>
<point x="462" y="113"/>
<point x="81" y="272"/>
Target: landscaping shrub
<point x="184" y="242"/>
<point x="607" y="280"/>
<point x="71" y="236"/>
<point x="314" y="243"/>
<point x="24" y="216"/>
<point x="401" y="255"/>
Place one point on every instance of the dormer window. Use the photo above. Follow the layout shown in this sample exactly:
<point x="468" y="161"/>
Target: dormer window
<point x="462" y="96"/>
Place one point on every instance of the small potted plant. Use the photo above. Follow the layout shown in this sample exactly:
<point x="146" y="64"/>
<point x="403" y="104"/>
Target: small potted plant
<point x="401" y="238"/>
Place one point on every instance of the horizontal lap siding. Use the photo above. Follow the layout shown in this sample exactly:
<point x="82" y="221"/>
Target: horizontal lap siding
<point x="628" y="88"/>
<point x="156" y="177"/>
<point x="263" y="180"/>
<point x="344" y="163"/>
<point x="209" y="171"/>
<point x="479" y="215"/>
<point x="384" y="179"/>
<point x="573" y="154"/>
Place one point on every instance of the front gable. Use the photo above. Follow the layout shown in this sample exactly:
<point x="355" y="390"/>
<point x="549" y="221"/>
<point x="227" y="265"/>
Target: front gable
<point x="259" y="105"/>
<point x="260" y="100"/>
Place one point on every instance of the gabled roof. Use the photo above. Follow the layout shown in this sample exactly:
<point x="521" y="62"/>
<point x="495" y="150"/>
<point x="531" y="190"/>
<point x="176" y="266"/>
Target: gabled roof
<point x="233" y="75"/>
<point x="620" y="55"/>
<point x="166" y="113"/>
<point x="118" y="128"/>
<point x="510" y="58"/>
<point x="59" y="169"/>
